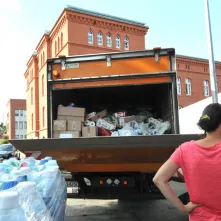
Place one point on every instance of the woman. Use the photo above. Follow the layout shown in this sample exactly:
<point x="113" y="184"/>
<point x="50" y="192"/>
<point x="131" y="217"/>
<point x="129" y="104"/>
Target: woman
<point x="201" y="165"/>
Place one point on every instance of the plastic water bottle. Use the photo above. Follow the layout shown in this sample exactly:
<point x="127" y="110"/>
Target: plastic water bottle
<point x="8" y="184"/>
<point x="10" y="209"/>
<point x="32" y="203"/>
<point x="58" y="202"/>
<point x="46" y="185"/>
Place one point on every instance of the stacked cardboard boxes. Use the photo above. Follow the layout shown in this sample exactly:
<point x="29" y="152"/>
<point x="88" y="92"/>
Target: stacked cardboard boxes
<point x="69" y="122"/>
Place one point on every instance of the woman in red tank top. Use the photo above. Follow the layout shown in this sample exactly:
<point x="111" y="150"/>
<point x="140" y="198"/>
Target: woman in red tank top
<point x="200" y="162"/>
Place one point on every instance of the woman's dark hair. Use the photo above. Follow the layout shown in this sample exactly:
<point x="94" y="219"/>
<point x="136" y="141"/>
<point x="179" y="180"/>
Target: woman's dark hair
<point x="211" y="118"/>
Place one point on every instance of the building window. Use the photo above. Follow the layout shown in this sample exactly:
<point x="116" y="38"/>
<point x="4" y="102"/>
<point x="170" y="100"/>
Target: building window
<point x="126" y="43"/>
<point x="16" y="113"/>
<point x="178" y="85"/>
<point x="90" y="37"/>
<point x="21" y="113"/>
<point x="20" y="125"/>
<point x="21" y="136"/>
<point x="25" y="136"/>
<point x="43" y="117"/>
<point x="109" y="40"/>
<point x="16" y="125"/>
<point x="188" y="87"/>
<point x="32" y="96"/>
<point x="32" y="122"/>
<point x="99" y="38"/>
<point x="61" y="40"/>
<point x="43" y="83"/>
<point x="117" y="41"/>
<point x="17" y="137"/>
<point x="25" y="125"/>
<point x="206" y="88"/>
<point x="187" y="67"/>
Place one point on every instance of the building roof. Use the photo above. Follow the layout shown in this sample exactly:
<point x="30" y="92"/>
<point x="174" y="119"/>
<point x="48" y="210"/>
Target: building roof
<point x="195" y="58"/>
<point x="101" y="15"/>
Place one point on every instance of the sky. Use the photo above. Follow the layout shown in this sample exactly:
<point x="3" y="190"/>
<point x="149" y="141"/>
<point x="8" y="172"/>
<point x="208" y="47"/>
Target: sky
<point x="173" y="23"/>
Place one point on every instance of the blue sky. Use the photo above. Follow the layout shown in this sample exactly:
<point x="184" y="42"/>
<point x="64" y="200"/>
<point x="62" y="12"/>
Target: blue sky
<point x="173" y="23"/>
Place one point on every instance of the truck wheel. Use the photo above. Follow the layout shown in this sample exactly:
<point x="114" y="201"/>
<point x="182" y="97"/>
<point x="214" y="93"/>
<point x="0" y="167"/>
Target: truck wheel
<point x="185" y="198"/>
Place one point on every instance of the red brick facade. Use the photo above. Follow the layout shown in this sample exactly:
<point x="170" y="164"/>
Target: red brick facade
<point x="71" y="35"/>
<point x="12" y="105"/>
<point x="197" y="70"/>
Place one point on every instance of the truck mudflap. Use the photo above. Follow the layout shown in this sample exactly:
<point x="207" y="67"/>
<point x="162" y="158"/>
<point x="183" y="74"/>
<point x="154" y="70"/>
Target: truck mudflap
<point x="106" y="154"/>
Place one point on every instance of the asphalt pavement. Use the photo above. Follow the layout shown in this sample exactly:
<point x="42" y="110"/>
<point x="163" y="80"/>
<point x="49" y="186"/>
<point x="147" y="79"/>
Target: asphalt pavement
<point x="124" y="210"/>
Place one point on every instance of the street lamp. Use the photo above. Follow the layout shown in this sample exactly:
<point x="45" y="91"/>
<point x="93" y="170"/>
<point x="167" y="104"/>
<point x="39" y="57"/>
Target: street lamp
<point x="212" y="66"/>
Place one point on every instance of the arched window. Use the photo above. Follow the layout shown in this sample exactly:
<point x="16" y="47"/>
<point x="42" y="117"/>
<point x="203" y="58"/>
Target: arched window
<point x="58" y="44"/>
<point x="188" y="86"/>
<point x="61" y="40"/>
<point x="99" y="38"/>
<point x="90" y="37"/>
<point x="126" y="43"/>
<point x="117" y="41"/>
<point x="178" y="86"/>
<point x="109" y="40"/>
<point x="206" y="88"/>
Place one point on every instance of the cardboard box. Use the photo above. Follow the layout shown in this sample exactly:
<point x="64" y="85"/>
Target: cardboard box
<point x="105" y="124"/>
<point x="60" y="125"/>
<point x="56" y="134"/>
<point x="61" y="117"/>
<point x="74" y="125"/>
<point x="69" y="134"/>
<point x="99" y="115"/>
<point x="124" y="120"/>
<point x="89" y="131"/>
<point x="71" y="111"/>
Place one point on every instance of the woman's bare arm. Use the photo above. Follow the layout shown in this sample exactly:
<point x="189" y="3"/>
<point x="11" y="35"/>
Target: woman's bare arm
<point x="161" y="180"/>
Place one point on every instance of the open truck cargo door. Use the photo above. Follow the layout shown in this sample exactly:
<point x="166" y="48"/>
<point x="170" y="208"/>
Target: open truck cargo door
<point x="113" y="81"/>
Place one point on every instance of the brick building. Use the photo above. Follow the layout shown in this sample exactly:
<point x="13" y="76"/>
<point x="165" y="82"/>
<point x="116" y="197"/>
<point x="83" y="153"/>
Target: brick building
<point x="16" y="121"/>
<point x="193" y="79"/>
<point x="78" y="31"/>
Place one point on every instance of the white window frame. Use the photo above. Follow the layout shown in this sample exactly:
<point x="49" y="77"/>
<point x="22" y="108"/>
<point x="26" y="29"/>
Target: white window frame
<point x="179" y="86"/>
<point x="206" y="88"/>
<point x="109" y="40"/>
<point x="90" y="37"/>
<point x="99" y="38"/>
<point x="126" y="43"/>
<point x="118" y="41"/>
<point x="188" y="86"/>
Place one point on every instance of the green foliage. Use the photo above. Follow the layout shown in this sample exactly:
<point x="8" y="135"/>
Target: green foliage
<point x="3" y="141"/>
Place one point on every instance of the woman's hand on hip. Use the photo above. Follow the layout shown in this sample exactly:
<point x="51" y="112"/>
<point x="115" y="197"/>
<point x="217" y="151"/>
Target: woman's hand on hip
<point x="188" y="208"/>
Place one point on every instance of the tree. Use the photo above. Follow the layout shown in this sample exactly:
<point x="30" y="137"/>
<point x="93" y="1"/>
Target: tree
<point x="3" y="128"/>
